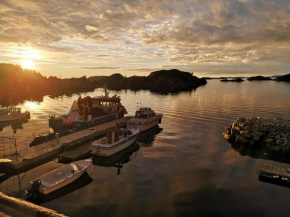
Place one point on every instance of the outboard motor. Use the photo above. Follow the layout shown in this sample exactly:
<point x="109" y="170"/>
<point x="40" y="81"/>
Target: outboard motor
<point x="32" y="193"/>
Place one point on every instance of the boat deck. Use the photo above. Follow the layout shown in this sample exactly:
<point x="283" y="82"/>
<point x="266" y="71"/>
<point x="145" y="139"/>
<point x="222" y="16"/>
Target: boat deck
<point x="36" y="155"/>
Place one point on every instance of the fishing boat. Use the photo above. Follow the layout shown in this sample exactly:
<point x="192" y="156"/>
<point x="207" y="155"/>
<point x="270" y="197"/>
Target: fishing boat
<point x="119" y="159"/>
<point x="145" y="118"/>
<point x="115" y="141"/>
<point x="4" y="111"/>
<point x="62" y="176"/>
<point x="89" y="111"/>
<point x="14" y="114"/>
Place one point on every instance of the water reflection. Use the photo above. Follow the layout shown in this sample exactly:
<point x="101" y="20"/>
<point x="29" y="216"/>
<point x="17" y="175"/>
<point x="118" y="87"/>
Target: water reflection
<point x="147" y="138"/>
<point x="15" y="125"/>
<point x="262" y="152"/>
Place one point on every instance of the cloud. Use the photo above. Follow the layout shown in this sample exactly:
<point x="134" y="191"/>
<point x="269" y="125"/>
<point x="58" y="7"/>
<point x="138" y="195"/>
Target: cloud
<point x="169" y="32"/>
<point x="129" y="69"/>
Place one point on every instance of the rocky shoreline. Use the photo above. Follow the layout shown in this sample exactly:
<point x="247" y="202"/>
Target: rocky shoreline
<point x="273" y="133"/>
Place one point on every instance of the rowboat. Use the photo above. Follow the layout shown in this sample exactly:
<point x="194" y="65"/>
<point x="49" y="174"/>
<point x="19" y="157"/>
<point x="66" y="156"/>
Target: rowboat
<point x="62" y="176"/>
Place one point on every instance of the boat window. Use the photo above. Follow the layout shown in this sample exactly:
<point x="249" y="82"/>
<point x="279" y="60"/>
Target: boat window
<point x="140" y="114"/>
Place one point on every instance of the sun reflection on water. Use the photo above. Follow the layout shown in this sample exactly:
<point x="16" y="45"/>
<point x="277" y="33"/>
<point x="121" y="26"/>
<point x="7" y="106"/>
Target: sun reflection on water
<point x="31" y="106"/>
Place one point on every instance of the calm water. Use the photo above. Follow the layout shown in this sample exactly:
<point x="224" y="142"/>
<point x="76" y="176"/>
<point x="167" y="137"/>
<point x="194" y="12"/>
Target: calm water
<point x="188" y="170"/>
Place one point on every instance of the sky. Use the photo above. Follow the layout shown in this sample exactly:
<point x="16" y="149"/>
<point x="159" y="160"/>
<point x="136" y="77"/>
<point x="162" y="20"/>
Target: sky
<point x="213" y="38"/>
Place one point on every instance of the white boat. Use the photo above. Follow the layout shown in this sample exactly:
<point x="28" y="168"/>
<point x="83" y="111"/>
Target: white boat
<point x="63" y="176"/>
<point x="145" y="118"/>
<point x="88" y="110"/>
<point x="115" y="141"/>
<point x="14" y="114"/>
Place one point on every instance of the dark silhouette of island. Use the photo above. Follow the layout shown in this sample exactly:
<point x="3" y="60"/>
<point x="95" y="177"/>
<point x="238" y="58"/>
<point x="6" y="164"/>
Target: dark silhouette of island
<point x="163" y="81"/>
<point x="283" y="78"/>
<point x="259" y="78"/>
<point x="232" y="80"/>
<point x="18" y="85"/>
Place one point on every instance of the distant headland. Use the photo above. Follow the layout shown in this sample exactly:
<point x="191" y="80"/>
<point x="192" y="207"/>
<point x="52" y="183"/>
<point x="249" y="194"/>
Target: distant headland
<point x="163" y="81"/>
<point x="253" y="78"/>
<point x="18" y="85"/>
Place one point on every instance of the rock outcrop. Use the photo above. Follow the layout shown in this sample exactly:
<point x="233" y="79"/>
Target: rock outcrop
<point x="283" y="78"/>
<point x="257" y="132"/>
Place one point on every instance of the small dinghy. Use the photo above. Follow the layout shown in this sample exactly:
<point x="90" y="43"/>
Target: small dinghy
<point x="115" y="141"/>
<point x="62" y="176"/>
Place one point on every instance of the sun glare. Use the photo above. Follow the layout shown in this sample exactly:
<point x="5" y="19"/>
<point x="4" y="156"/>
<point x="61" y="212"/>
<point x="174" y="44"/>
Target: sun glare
<point x="27" y="64"/>
<point x="26" y="53"/>
<point x="31" y="105"/>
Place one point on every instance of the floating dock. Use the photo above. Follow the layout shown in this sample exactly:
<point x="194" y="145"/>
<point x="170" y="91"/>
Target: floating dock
<point x="26" y="159"/>
<point x="275" y="173"/>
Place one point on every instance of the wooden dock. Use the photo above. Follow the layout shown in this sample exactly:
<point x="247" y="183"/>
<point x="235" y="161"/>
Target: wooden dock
<point x="24" y="208"/>
<point x="42" y="153"/>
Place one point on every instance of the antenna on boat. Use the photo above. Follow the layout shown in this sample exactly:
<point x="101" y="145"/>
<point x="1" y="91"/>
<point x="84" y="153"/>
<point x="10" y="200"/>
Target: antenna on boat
<point x="106" y="91"/>
<point x="138" y="105"/>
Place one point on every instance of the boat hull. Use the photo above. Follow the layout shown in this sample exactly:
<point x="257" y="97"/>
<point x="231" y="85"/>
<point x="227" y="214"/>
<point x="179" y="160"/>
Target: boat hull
<point x="143" y="126"/>
<point x="97" y="149"/>
<point x="62" y="184"/>
<point x="7" y="118"/>
<point x="89" y="169"/>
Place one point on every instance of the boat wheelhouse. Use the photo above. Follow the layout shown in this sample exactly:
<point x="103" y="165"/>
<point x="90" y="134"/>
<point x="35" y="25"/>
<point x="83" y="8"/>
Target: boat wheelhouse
<point x="14" y="113"/>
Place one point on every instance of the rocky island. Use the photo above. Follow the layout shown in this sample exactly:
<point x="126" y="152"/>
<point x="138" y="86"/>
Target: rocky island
<point x="163" y="81"/>
<point x="283" y="78"/>
<point x="232" y="80"/>
<point x="259" y="78"/>
<point x="267" y="135"/>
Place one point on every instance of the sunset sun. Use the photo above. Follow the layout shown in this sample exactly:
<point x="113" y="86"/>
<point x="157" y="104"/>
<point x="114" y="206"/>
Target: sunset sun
<point x="27" y="64"/>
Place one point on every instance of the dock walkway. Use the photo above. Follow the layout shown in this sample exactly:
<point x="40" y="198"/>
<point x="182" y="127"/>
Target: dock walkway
<point x="24" y="208"/>
<point x="36" y="155"/>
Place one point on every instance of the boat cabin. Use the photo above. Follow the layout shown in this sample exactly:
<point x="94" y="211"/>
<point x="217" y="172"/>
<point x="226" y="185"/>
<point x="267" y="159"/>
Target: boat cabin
<point x="116" y="135"/>
<point x="144" y="113"/>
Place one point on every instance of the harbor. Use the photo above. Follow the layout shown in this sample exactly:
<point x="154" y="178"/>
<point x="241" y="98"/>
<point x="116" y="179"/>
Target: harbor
<point x="94" y="132"/>
<point x="32" y="156"/>
<point x="175" y="162"/>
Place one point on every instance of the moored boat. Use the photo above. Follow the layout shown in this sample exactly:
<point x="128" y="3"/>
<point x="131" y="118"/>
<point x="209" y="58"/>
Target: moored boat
<point x="62" y="176"/>
<point x="115" y="141"/>
<point x="145" y="118"/>
<point x="89" y="111"/>
<point x="14" y="114"/>
<point x="4" y="111"/>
